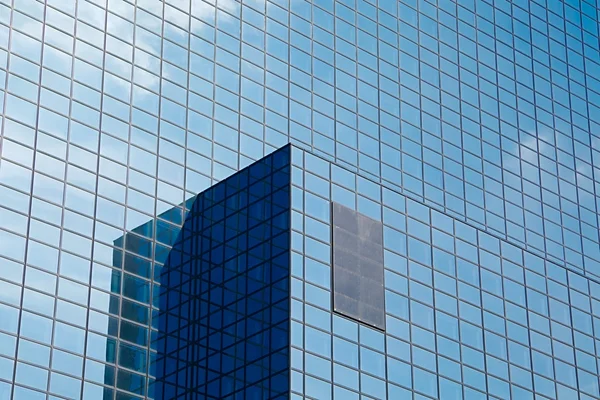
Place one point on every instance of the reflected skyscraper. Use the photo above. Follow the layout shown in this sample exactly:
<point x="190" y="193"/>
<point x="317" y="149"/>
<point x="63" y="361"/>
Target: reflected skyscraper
<point x="321" y="199"/>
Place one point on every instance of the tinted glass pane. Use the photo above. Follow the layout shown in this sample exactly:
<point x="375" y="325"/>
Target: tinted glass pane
<point x="358" y="266"/>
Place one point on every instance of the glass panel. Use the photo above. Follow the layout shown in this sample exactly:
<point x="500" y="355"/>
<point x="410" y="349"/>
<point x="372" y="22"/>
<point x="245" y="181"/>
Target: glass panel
<point x="358" y="266"/>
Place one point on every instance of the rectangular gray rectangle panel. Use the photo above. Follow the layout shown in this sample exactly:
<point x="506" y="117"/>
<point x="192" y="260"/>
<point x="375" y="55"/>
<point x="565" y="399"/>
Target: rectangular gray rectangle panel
<point x="358" y="289"/>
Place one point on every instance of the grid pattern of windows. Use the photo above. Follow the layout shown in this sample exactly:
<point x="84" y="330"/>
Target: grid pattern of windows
<point x="223" y="325"/>
<point x="488" y="111"/>
<point x="82" y="320"/>
<point x="468" y="315"/>
<point x="114" y="114"/>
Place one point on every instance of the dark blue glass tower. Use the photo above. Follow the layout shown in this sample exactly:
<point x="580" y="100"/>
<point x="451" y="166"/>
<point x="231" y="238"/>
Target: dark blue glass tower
<point x="223" y="324"/>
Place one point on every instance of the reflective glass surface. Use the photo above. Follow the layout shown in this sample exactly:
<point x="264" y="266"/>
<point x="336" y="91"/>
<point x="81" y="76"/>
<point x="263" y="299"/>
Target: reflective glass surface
<point x="115" y="114"/>
<point x="468" y="315"/>
<point x="223" y="319"/>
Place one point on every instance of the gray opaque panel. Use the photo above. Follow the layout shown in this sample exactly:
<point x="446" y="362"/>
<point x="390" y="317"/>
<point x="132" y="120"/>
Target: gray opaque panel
<point x="357" y="246"/>
<point x="345" y="239"/>
<point x="345" y="283"/>
<point x="372" y="316"/>
<point x="345" y="218"/>
<point x="346" y="260"/>
<point x="371" y="250"/>
<point x="369" y="229"/>
<point x="370" y="269"/>
<point x="346" y="305"/>
<point x="357" y="249"/>
<point x="371" y="293"/>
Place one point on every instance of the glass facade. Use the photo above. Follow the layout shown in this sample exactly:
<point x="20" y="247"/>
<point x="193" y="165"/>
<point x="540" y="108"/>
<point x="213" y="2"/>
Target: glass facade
<point x="470" y="130"/>
<point x="468" y="315"/>
<point x="223" y="324"/>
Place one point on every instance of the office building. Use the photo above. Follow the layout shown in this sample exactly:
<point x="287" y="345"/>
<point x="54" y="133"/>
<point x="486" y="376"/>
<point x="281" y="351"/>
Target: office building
<point x="326" y="199"/>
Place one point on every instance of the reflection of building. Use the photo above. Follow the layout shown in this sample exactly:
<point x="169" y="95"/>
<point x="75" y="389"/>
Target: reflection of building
<point x="140" y="273"/>
<point x="234" y="319"/>
<point x="172" y="318"/>
<point x="138" y="262"/>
